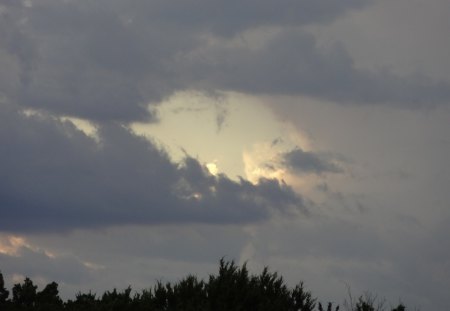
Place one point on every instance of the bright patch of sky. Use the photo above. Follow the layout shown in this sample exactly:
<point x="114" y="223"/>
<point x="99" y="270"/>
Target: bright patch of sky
<point x="232" y="134"/>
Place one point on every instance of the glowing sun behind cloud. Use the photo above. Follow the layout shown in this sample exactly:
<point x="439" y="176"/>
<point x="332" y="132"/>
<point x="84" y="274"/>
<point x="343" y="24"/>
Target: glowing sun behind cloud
<point x="245" y="142"/>
<point x="259" y="163"/>
<point x="212" y="168"/>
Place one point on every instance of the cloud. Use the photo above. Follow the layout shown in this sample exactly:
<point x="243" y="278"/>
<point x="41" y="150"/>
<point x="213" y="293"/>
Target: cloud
<point x="232" y="17"/>
<point x="309" y="162"/>
<point x="57" y="178"/>
<point x="291" y="63"/>
<point x="37" y="263"/>
<point x="81" y="59"/>
<point x="110" y="60"/>
<point x="107" y="60"/>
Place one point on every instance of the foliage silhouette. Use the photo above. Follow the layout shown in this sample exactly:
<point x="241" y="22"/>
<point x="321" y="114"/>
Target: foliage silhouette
<point x="232" y="289"/>
<point x="87" y="302"/>
<point x="302" y="299"/>
<point x="48" y="299"/>
<point x="24" y="295"/>
<point x="4" y="293"/>
<point x="329" y="307"/>
<point x="400" y="307"/>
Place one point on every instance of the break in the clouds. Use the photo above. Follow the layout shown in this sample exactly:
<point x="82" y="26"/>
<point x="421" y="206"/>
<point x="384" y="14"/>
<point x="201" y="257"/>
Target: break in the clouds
<point x="107" y="61"/>
<point x="55" y="177"/>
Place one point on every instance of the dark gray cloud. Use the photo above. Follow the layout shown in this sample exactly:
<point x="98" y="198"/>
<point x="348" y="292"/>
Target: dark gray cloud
<point x="108" y="60"/>
<point x="54" y="177"/>
<point x="227" y="18"/>
<point x="291" y="63"/>
<point x="87" y="62"/>
<point x="309" y="162"/>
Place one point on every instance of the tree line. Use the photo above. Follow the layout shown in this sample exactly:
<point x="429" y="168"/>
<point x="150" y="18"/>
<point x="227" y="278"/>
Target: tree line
<point x="233" y="288"/>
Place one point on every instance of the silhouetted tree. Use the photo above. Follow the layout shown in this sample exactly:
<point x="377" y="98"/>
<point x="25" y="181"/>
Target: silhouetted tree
<point x="273" y="294"/>
<point x="302" y="300"/>
<point x="143" y="301"/>
<point x="4" y="293"/>
<point x="368" y="302"/>
<point x="85" y="302"/>
<point x="115" y="301"/>
<point x="329" y="307"/>
<point x="400" y="307"/>
<point x="189" y="295"/>
<point x="24" y="295"/>
<point x="232" y="289"/>
<point x="48" y="299"/>
<point x="160" y="297"/>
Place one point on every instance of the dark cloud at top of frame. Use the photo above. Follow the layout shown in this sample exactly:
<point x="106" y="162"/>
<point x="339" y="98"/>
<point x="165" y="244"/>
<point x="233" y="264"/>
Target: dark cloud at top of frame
<point x="107" y="60"/>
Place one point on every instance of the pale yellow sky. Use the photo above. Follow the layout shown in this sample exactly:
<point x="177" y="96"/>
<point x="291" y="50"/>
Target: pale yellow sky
<point x="238" y="148"/>
<point x="248" y="143"/>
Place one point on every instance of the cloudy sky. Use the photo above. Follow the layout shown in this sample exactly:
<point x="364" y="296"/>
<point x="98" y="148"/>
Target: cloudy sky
<point x="144" y="140"/>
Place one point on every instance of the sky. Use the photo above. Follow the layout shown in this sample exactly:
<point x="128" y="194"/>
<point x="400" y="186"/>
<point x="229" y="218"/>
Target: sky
<point x="145" y="140"/>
